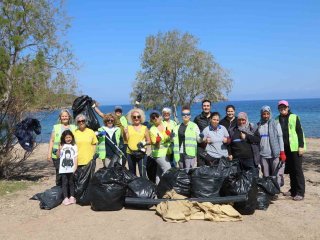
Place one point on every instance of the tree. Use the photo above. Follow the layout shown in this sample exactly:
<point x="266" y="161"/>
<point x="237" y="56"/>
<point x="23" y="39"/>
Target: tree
<point x="175" y="72"/>
<point x="36" y="68"/>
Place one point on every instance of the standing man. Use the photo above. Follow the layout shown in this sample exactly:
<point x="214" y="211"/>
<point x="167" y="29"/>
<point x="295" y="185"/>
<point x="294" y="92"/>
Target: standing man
<point x="230" y="120"/>
<point x="203" y="121"/>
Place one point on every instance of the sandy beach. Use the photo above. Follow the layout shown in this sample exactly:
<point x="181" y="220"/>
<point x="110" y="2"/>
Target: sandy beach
<point x="21" y="218"/>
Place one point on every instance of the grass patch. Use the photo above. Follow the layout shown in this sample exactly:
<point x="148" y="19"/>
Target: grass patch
<point x="7" y="187"/>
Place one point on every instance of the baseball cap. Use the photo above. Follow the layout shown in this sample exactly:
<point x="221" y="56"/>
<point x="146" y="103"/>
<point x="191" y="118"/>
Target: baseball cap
<point x="117" y="108"/>
<point x="283" y="102"/>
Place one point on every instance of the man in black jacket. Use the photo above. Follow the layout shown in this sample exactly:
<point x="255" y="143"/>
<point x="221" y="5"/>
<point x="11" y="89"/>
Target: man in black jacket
<point x="203" y="121"/>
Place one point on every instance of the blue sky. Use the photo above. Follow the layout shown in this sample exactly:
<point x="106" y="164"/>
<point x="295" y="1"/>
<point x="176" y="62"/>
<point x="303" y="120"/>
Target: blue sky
<point x="271" y="48"/>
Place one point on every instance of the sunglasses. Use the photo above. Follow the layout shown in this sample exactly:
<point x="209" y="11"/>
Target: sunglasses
<point x="136" y="117"/>
<point x="81" y="121"/>
<point x="185" y="114"/>
<point x="154" y="117"/>
<point x="109" y="120"/>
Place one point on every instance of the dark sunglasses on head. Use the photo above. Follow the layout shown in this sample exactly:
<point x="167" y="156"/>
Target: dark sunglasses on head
<point x="81" y="121"/>
<point x="136" y="116"/>
<point x="185" y="114"/>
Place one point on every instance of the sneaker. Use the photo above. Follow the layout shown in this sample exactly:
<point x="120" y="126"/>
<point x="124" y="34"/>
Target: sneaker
<point x="66" y="201"/>
<point x="72" y="200"/>
<point x="298" y="198"/>
<point x="287" y="194"/>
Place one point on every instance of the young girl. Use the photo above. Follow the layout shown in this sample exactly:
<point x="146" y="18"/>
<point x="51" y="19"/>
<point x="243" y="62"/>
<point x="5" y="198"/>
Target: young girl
<point x="68" y="153"/>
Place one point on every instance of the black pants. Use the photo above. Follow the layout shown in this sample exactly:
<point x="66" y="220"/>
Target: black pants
<point x="248" y="164"/>
<point x="142" y="165"/>
<point x="200" y="160"/>
<point x="67" y="185"/>
<point x="124" y="150"/>
<point x="56" y="164"/>
<point x="294" y="169"/>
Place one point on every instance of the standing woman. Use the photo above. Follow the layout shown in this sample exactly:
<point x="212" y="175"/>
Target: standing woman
<point x="230" y="120"/>
<point x="86" y="141"/>
<point x="160" y="142"/>
<point x="109" y="139"/>
<point x="65" y="121"/>
<point x="169" y="125"/>
<point x="244" y="144"/>
<point x="136" y="134"/>
<point x="271" y="144"/>
<point x="216" y="136"/>
<point x="294" y="146"/>
<point x="185" y="141"/>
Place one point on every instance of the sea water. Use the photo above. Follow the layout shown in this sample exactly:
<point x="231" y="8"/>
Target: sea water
<point x="307" y="109"/>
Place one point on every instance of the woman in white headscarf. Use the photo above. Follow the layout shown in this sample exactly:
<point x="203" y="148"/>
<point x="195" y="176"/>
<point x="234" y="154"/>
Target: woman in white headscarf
<point x="271" y="144"/>
<point x="244" y="144"/>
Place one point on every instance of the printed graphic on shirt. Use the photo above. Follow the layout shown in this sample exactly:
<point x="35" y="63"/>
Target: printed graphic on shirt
<point x="68" y="155"/>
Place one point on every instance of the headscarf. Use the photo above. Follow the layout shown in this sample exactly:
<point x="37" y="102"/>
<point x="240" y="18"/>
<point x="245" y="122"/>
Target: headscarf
<point x="246" y="127"/>
<point x="265" y="108"/>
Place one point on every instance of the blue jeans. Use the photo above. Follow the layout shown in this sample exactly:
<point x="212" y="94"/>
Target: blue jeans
<point x="142" y="163"/>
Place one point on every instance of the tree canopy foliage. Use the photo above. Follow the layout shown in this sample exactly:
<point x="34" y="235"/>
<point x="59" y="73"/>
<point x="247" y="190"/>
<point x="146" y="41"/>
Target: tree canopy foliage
<point x="174" y="71"/>
<point x="36" y="67"/>
<point x="36" y="63"/>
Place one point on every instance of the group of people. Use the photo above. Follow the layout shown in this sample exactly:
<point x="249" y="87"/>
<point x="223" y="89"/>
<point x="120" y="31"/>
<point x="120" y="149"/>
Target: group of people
<point x="274" y="145"/>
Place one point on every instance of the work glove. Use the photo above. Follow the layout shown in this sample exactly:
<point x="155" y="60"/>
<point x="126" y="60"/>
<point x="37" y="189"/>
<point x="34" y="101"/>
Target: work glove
<point x="140" y="145"/>
<point x="168" y="132"/>
<point x="158" y="139"/>
<point x="282" y="156"/>
<point x="138" y="100"/>
<point x="94" y="104"/>
<point x="102" y="133"/>
<point x="172" y="135"/>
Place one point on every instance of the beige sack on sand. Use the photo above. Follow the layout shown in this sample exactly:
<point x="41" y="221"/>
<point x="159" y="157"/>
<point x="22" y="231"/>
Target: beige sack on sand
<point x="184" y="210"/>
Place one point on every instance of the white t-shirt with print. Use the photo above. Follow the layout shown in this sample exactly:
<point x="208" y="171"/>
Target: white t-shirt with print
<point x="68" y="154"/>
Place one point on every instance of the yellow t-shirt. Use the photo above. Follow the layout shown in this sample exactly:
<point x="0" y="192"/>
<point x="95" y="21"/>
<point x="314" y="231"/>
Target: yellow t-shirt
<point x="86" y="141"/>
<point x="135" y="137"/>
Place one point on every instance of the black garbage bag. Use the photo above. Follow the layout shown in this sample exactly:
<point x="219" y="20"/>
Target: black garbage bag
<point x="263" y="199"/>
<point x="82" y="178"/>
<point x="238" y="184"/>
<point x="205" y="182"/>
<point x="226" y="167"/>
<point x="177" y="179"/>
<point x="128" y="176"/>
<point x="151" y="169"/>
<point x="270" y="185"/>
<point x="50" y="198"/>
<point x="141" y="188"/>
<point x="83" y="105"/>
<point x="25" y="131"/>
<point x="107" y="189"/>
